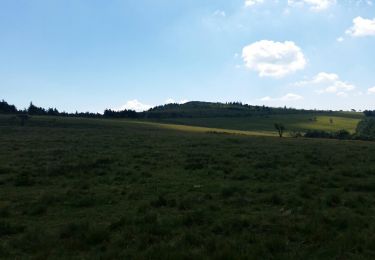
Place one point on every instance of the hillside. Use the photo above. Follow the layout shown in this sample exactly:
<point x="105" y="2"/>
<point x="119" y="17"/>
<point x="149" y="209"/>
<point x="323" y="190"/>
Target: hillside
<point x="124" y="189"/>
<point x="293" y="122"/>
<point x="252" y="118"/>
<point x="197" y="109"/>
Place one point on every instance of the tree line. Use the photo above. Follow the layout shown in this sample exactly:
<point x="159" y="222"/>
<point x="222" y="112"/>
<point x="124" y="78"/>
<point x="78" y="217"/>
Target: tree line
<point x="365" y="129"/>
<point x="187" y="110"/>
<point x="369" y="113"/>
<point x="33" y="110"/>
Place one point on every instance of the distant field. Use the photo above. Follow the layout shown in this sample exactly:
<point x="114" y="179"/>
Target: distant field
<point x="263" y="124"/>
<point x="115" y="189"/>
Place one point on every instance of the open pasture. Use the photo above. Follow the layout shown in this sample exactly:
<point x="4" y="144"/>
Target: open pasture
<point x="87" y="188"/>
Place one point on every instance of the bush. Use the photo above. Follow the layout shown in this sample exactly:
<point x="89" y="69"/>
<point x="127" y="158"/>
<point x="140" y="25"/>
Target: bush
<point x="341" y="134"/>
<point x="369" y="113"/>
<point x="366" y="129"/>
<point x="317" y="134"/>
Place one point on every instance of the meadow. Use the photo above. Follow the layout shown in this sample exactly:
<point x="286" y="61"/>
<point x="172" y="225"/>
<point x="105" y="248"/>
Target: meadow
<point x="329" y="122"/>
<point x="123" y="189"/>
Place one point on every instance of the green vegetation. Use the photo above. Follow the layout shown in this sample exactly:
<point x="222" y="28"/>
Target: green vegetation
<point x="366" y="129"/>
<point x="97" y="188"/>
<point x="198" y="109"/>
<point x="265" y="124"/>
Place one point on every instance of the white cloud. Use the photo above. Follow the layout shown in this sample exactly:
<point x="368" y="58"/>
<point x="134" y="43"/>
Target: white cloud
<point x="172" y="101"/>
<point x="315" y="5"/>
<point x="340" y="39"/>
<point x="371" y="90"/>
<point x="328" y="83"/>
<point x="140" y="107"/>
<point x="273" y="59"/>
<point x="362" y="27"/>
<point x="291" y="97"/>
<point x="249" y="3"/>
<point x="135" y="105"/>
<point x="287" y="97"/>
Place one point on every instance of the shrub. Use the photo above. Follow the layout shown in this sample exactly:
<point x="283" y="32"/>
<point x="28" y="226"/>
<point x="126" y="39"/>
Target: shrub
<point x="366" y="129"/>
<point x="342" y="135"/>
<point x="317" y="134"/>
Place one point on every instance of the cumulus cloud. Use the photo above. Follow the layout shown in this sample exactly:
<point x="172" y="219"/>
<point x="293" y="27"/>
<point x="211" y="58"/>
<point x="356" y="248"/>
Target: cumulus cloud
<point x="273" y="59"/>
<point x="287" y="97"/>
<point x="371" y="90"/>
<point x="249" y="3"/>
<point x="172" y="101"/>
<point x="315" y="5"/>
<point x="362" y="27"/>
<point x="135" y="105"/>
<point x="328" y="83"/>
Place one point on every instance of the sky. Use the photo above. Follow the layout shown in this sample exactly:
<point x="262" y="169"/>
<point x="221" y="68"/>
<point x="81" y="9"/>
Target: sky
<point x="88" y="55"/>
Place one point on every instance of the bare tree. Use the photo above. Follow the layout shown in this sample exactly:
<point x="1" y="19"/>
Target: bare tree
<point x="280" y="129"/>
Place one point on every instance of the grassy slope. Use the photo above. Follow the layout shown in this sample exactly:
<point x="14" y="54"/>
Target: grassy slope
<point x="116" y="189"/>
<point x="298" y="122"/>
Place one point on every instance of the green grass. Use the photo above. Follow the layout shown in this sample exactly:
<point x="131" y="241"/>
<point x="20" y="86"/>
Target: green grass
<point x="265" y="124"/>
<point x="114" y="189"/>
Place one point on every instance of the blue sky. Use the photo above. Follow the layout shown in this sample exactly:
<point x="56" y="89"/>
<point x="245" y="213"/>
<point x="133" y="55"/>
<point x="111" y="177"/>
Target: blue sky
<point x="88" y="55"/>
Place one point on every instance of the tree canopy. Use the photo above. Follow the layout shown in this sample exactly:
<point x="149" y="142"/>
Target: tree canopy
<point x="366" y="129"/>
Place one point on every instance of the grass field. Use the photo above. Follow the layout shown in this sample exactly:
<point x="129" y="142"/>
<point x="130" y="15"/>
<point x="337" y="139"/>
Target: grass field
<point x="107" y="189"/>
<point x="265" y="124"/>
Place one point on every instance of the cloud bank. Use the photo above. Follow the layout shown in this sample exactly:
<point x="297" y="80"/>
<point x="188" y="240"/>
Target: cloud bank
<point x="328" y="83"/>
<point x="315" y="5"/>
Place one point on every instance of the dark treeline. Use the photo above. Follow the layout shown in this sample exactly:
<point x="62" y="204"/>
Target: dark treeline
<point x="39" y="111"/>
<point x="187" y="110"/>
<point x="193" y="109"/>
<point x="341" y="134"/>
<point x="198" y="109"/>
<point x="33" y="110"/>
<point x="120" y="114"/>
<point x="5" y="108"/>
<point x="369" y="113"/>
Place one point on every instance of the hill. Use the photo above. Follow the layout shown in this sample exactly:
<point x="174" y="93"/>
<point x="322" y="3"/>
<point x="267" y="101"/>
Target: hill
<point x="237" y="116"/>
<point x="198" y="109"/>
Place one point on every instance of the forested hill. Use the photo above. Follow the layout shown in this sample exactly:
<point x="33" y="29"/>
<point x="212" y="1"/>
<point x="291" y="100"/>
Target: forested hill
<point x="194" y="109"/>
<point x="197" y="109"/>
